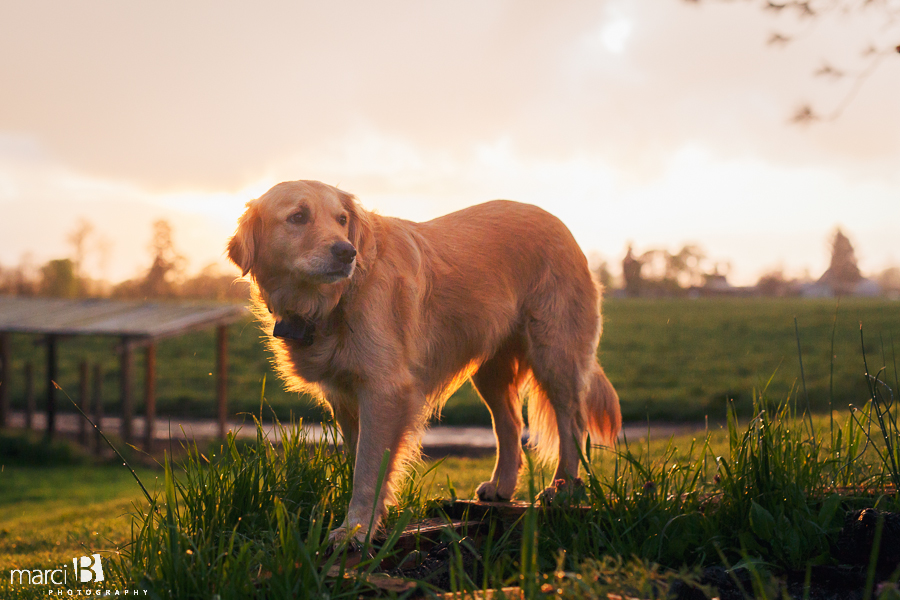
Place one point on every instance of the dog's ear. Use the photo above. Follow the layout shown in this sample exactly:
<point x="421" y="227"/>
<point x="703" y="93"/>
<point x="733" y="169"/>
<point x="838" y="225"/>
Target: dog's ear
<point x="243" y="247"/>
<point x="360" y="228"/>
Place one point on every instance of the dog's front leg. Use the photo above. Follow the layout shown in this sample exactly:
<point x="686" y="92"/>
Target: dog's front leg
<point x="388" y="421"/>
<point x="347" y="417"/>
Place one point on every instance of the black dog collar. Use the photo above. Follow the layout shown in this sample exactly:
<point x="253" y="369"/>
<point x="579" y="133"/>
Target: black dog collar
<point x="295" y="328"/>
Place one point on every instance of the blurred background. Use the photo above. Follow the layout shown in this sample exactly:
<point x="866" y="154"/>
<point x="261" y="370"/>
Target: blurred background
<point x="712" y="150"/>
<point x="750" y="130"/>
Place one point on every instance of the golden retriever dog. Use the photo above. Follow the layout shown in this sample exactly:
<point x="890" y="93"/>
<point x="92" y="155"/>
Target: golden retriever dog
<point x="382" y="319"/>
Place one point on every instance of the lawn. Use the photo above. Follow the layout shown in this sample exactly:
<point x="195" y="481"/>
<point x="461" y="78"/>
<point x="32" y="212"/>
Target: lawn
<point x="53" y="513"/>
<point x="235" y="520"/>
<point x="768" y="490"/>
<point x="673" y="360"/>
<point x="50" y="515"/>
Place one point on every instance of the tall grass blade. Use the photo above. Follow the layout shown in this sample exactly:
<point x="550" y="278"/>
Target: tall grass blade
<point x="807" y="411"/>
<point x="125" y="462"/>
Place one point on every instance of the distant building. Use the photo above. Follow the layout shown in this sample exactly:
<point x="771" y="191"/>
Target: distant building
<point x="716" y="285"/>
<point x="824" y="288"/>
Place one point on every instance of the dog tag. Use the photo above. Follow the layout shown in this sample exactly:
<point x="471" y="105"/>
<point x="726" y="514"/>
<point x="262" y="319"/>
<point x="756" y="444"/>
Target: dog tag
<point x="295" y="328"/>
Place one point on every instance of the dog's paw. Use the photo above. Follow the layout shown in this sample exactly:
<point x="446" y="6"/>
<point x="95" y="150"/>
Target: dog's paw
<point x="489" y="492"/>
<point x="564" y="492"/>
<point x="547" y="497"/>
<point x="353" y="537"/>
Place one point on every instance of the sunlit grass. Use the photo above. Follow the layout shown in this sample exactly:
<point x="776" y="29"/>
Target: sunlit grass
<point x="251" y="519"/>
<point x="766" y="485"/>
<point x="48" y="515"/>
<point x="774" y="487"/>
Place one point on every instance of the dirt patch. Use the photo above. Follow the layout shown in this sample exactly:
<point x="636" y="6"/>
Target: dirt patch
<point x="853" y="552"/>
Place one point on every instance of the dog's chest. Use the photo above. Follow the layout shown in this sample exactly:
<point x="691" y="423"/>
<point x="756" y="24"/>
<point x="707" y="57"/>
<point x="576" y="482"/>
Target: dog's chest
<point x="320" y="362"/>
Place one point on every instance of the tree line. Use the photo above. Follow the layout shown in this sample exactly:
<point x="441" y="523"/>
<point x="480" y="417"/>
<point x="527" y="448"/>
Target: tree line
<point x="652" y="273"/>
<point x="165" y="277"/>
<point x="661" y="273"/>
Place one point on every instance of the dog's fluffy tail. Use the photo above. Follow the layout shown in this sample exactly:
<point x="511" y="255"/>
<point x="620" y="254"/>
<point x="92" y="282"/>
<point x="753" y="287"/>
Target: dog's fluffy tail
<point x="603" y="417"/>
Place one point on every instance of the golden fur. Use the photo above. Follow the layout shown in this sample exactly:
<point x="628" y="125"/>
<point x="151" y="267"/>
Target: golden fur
<point x="500" y="292"/>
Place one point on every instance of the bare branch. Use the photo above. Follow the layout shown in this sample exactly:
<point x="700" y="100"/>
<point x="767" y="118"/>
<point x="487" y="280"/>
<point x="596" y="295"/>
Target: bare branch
<point x="779" y="39"/>
<point x="827" y="70"/>
<point x="804" y="115"/>
<point x="812" y="12"/>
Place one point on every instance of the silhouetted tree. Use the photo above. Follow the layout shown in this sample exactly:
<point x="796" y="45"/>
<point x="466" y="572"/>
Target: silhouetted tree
<point x="604" y="276"/>
<point x="889" y="280"/>
<point x="772" y="283"/>
<point x="658" y="272"/>
<point x="58" y="279"/>
<point x="167" y="267"/>
<point x="213" y="284"/>
<point x="685" y="268"/>
<point x="631" y="273"/>
<point x="21" y="280"/>
<point x="843" y="273"/>
<point x="78" y="239"/>
<point x="84" y="239"/>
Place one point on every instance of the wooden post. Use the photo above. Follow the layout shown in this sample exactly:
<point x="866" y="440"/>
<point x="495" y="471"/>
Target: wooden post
<point x="150" y="396"/>
<point x="98" y="408"/>
<point x="84" y="400"/>
<point x="29" y="396"/>
<point x="51" y="385"/>
<point x="5" y="372"/>
<point x="222" y="377"/>
<point x="125" y="375"/>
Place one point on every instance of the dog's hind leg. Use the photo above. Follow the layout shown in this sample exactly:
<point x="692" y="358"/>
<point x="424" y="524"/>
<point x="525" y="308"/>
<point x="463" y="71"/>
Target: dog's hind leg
<point x="561" y="366"/>
<point x="497" y="380"/>
<point x="565" y="394"/>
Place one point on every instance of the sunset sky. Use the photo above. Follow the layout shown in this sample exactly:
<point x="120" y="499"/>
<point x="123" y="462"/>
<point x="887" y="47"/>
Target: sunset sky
<point x="659" y="122"/>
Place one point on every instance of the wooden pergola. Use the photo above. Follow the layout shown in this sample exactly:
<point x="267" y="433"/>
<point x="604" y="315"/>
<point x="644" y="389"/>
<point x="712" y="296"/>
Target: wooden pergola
<point x="137" y="324"/>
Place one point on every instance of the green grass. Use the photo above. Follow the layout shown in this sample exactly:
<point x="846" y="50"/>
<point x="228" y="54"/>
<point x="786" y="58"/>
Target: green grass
<point x="677" y="359"/>
<point x="49" y="515"/>
<point x="757" y="489"/>
<point x="684" y="359"/>
<point x="253" y="521"/>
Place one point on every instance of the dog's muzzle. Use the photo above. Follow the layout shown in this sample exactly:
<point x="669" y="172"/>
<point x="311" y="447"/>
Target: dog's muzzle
<point x="295" y="328"/>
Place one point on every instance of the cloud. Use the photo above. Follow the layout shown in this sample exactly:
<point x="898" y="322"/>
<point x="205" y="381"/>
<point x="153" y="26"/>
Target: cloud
<point x="612" y="34"/>
<point x="215" y="96"/>
<point x="42" y="202"/>
<point x="633" y="119"/>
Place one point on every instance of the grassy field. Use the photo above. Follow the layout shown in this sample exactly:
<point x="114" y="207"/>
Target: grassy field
<point x="677" y="359"/>
<point x="248" y="520"/>
<point x="684" y="359"/>
<point x="234" y="519"/>
<point x="55" y="504"/>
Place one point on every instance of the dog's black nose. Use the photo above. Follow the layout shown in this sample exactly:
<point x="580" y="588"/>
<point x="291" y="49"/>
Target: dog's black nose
<point x="344" y="252"/>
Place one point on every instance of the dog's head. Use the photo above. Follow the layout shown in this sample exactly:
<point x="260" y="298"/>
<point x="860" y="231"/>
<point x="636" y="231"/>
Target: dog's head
<point x="300" y="233"/>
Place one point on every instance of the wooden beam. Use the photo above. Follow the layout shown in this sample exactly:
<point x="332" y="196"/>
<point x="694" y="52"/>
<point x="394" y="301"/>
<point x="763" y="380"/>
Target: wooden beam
<point x="150" y="396"/>
<point x="30" y="403"/>
<point x="126" y="360"/>
<point x="51" y="384"/>
<point x="98" y="407"/>
<point x="222" y="377"/>
<point x="84" y="400"/>
<point x="5" y="372"/>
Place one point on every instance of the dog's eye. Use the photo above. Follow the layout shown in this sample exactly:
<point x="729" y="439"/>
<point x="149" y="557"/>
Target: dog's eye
<point x="301" y="217"/>
<point x="342" y="220"/>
